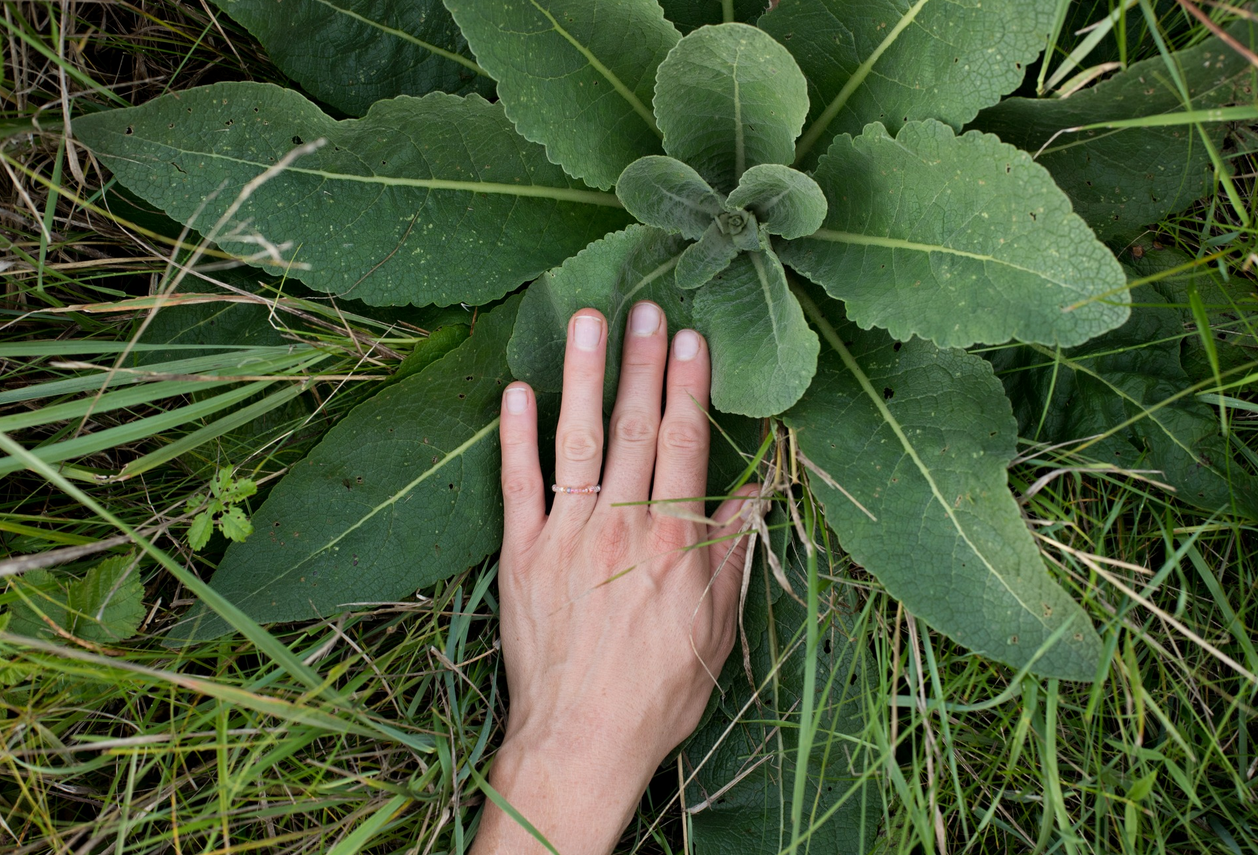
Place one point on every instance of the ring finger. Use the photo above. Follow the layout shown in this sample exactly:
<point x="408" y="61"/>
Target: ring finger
<point x="579" y="437"/>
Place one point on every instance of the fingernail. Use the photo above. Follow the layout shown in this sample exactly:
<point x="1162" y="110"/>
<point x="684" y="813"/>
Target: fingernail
<point x="588" y="332"/>
<point x="517" y="401"/>
<point x="645" y="319"/>
<point x="686" y="345"/>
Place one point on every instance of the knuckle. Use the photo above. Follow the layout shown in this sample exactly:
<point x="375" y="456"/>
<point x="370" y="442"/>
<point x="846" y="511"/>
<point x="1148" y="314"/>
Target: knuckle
<point x="682" y="437"/>
<point x="634" y="429"/>
<point x="672" y="534"/>
<point x="581" y="445"/>
<point x="517" y="486"/>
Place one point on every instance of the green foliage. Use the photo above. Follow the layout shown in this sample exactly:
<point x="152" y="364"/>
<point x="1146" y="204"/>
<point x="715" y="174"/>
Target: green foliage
<point x="105" y="606"/>
<point x="826" y="144"/>
<point x="220" y="508"/>
<point x="353" y="53"/>
<point x="401" y="493"/>
<point x="1008" y="259"/>
<point x="193" y="154"/>
<point x="575" y="75"/>
<point x="761" y="752"/>
<point x="896" y="61"/>
<point x="1119" y="179"/>
<point x="926" y="441"/>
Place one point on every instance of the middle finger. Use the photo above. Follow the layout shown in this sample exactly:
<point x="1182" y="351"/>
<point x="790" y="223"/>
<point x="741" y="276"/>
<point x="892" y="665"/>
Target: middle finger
<point x="636" y="416"/>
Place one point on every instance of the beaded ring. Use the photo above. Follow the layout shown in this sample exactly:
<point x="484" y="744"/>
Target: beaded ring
<point x="591" y="489"/>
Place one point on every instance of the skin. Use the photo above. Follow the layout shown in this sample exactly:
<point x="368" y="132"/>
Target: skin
<point x="606" y="676"/>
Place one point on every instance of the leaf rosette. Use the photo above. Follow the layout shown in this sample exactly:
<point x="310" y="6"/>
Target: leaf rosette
<point x="809" y="173"/>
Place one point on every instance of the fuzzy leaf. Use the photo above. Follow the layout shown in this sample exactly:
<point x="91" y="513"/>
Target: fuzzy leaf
<point x="898" y="61"/>
<point x="787" y="202"/>
<point x="921" y="437"/>
<point x="1122" y="179"/>
<point x="763" y="352"/>
<point x="958" y="240"/>
<point x="402" y="492"/>
<point x="705" y="258"/>
<point x="610" y="275"/>
<point x="574" y="75"/>
<point x="108" y="602"/>
<point x="728" y="98"/>
<point x="104" y="606"/>
<point x="666" y="193"/>
<point x="352" y="53"/>
<point x="1134" y="372"/>
<point x="749" y="817"/>
<point x="448" y="204"/>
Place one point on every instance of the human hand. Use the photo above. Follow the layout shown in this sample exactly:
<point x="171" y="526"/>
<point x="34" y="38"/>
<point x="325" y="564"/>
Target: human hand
<point x="615" y="617"/>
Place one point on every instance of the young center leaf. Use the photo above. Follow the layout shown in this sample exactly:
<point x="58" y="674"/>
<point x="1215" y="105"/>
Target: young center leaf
<point x="575" y="75"/>
<point x="424" y="200"/>
<point x="609" y="275"/>
<point x="925" y="437"/>
<point x="400" y="493"/>
<point x="353" y="53"/>
<point x="1120" y="179"/>
<point x="786" y="201"/>
<point x="958" y="240"/>
<point x="741" y="794"/>
<point x="727" y="98"/>
<point x="897" y="61"/>
<point x="705" y="258"/>
<point x="666" y="193"/>
<point x="763" y="351"/>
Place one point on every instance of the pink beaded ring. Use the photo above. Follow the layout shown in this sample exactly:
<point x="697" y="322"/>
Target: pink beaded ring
<point x="591" y="489"/>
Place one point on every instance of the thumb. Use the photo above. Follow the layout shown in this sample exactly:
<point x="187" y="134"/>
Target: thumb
<point x="728" y="553"/>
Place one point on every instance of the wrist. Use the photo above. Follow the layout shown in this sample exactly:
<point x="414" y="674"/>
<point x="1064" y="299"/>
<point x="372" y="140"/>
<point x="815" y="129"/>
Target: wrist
<point x="579" y="791"/>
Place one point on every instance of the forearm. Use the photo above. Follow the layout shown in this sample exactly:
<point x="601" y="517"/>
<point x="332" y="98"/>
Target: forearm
<point x="579" y="796"/>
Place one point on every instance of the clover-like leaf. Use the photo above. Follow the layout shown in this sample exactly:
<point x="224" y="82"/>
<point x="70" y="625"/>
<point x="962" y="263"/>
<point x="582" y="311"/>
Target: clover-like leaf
<point x="705" y="258"/>
<point x="727" y="98"/>
<point x="786" y="201"/>
<point x="958" y="239"/>
<point x="923" y="439"/>
<point x="574" y="75"/>
<point x="666" y="193"/>
<point x="763" y="352"/>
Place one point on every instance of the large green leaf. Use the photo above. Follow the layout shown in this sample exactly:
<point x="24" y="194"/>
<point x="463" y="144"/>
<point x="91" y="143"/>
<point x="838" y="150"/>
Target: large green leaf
<point x="897" y="61"/>
<point x="958" y="240"/>
<point x="400" y="493"/>
<point x="575" y="75"/>
<point x="353" y="53"/>
<point x="753" y="816"/>
<point x="921" y="436"/>
<point x="763" y="352"/>
<point x="1131" y="381"/>
<point x="727" y="98"/>
<point x="1124" y="178"/>
<point x="425" y="200"/>
<point x="609" y="275"/>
